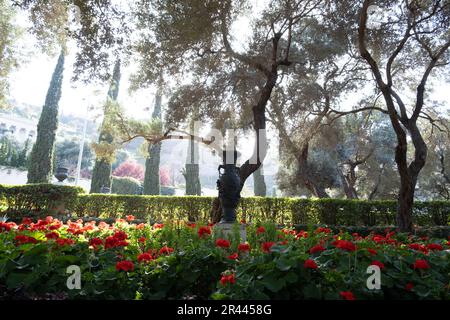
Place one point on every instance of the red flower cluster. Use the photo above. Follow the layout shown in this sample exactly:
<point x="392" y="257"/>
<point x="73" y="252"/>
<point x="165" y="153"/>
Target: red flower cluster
<point x="377" y="263"/>
<point x="222" y="243"/>
<point x="244" y="247"/>
<point x="230" y="278"/>
<point x="344" y="245"/>
<point x="158" y="226"/>
<point x="130" y="218"/>
<point x="418" y="247"/>
<point x="373" y="252"/>
<point x="23" y="239"/>
<point x="323" y="230"/>
<point x="421" y="264"/>
<point x="165" y="250"/>
<point x="233" y="256"/>
<point x="310" y="264"/>
<point x="64" y="242"/>
<point x="116" y="240"/>
<point x="347" y="295"/>
<point x="317" y="248"/>
<point x="52" y="235"/>
<point x="260" y="230"/>
<point x="435" y="247"/>
<point x="302" y="234"/>
<point x="125" y="266"/>
<point x="265" y="246"/>
<point x="204" y="231"/>
<point x="144" y="257"/>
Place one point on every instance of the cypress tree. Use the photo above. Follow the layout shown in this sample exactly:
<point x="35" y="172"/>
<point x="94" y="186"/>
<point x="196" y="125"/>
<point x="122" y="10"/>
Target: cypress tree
<point x="41" y="158"/>
<point x="151" y="177"/>
<point x="259" y="185"/>
<point x="191" y="172"/>
<point x="101" y="174"/>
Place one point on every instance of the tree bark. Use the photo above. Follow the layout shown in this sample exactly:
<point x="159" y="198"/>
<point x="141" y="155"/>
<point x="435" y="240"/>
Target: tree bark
<point x="259" y="185"/>
<point x="101" y="174"/>
<point x="191" y="172"/>
<point x="151" y="178"/>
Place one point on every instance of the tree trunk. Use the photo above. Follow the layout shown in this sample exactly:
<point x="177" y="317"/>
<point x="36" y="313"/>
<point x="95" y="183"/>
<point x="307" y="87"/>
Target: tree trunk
<point x="101" y="174"/>
<point x="259" y="185"/>
<point x="191" y="172"/>
<point x="151" y="178"/>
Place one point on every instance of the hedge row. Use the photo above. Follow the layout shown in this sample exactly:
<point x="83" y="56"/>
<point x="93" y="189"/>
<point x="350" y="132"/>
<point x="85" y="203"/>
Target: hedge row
<point x="43" y="199"/>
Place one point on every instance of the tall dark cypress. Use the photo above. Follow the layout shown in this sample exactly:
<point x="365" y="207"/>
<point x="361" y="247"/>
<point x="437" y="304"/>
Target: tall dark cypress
<point x="191" y="172"/>
<point x="40" y="168"/>
<point x="259" y="185"/>
<point x="151" y="179"/>
<point x="101" y="174"/>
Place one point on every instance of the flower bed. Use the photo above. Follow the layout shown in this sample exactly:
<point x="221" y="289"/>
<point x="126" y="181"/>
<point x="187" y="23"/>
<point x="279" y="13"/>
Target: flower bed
<point x="124" y="260"/>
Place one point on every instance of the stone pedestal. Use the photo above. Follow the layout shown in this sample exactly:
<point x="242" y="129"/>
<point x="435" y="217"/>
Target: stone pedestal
<point x="227" y="230"/>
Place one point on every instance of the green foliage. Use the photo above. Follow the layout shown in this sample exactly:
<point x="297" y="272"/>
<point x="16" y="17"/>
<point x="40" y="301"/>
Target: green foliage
<point x="105" y="149"/>
<point x="12" y="154"/>
<point x="41" y="159"/>
<point x="340" y="212"/>
<point x="125" y="185"/>
<point x="9" y="53"/>
<point x="176" y="261"/>
<point x="39" y="199"/>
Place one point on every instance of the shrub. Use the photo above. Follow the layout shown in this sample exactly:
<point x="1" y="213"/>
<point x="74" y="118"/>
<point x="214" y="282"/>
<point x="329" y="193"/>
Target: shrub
<point x="130" y="169"/>
<point x="356" y="213"/>
<point x="39" y="199"/>
<point x="125" y="185"/>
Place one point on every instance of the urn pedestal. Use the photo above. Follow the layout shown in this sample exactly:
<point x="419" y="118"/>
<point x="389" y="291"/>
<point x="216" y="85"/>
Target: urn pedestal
<point x="225" y="231"/>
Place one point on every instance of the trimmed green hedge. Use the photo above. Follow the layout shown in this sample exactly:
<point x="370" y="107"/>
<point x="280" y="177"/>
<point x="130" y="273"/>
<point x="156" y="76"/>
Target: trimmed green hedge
<point x="37" y="198"/>
<point x="21" y="200"/>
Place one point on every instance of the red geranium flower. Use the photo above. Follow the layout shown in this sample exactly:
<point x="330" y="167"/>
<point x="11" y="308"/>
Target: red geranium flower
<point x="190" y="224"/>
<point x="310" y="264"/>
<point x="323" y="230"/>
<point x="64" y="242"/>
<point x="260" y="230"/>
<point x="372" y="251"/>
<point x="266" y="246"/>
<point x="26" y="221"/>
<point x="347" y="295"/>
<point x="95" y="242"/>
<point x="110" y="242"/>
<point x="302" y="234"/>
<point x="421" y="264"/>
<point x="130" y="217"/>
<point x="22" y="239"/>
<point x="165" y="250"/>
<point x="344" y="245"/>
<point x="52" y="235"/>
<point x="409" y="286"/>
<point x="377" y="263"/>
<point x="230" y="278"/>
<point x="317" y="248"/>
<point x="233" y="256"/>
<point x="142" y="240"/>
<point x="243" y="247"/>
<point x="144" y="257"/>
<point x="120" y="235"/>
<point x="204" y="231"/>
<point x="125" y="266"/>
<point x="435" y="246"/>
<point x="222" y="243"/>
<point x="158" y="226"/>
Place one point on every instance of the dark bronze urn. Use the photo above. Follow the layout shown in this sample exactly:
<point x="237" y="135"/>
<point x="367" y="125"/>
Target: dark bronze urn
<point x="229" y="186"/>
